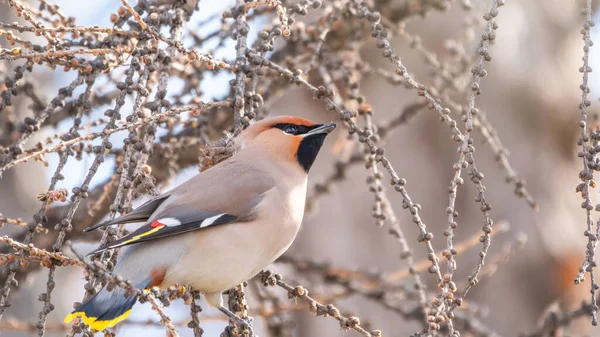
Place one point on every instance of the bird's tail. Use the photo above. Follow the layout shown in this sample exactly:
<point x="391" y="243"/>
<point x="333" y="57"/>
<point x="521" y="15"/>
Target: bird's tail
<point x="105" y="309"/>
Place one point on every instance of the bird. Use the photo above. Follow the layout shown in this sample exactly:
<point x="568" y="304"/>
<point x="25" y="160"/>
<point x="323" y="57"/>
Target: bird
<point x="221" y="227"/>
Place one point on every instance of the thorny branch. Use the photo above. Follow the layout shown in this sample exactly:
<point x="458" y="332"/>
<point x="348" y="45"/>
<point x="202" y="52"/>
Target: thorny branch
<point x="270" y="279"/>
<point x="590" y="160"/>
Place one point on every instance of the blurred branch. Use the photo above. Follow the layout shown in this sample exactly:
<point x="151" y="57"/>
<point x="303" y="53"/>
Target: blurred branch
<point x="555" y="320"/>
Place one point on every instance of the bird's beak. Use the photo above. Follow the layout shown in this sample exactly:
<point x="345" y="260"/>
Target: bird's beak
<point x="323" y="128"/>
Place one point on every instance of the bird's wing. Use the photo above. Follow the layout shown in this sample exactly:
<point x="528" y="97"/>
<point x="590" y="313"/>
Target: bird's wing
<point x="140" y="214"/>
<point x="169" y="226"/>
<point x="215" y="197"/>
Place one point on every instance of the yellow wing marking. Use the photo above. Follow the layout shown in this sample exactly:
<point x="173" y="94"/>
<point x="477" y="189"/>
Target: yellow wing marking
<point x="137" y="237"/>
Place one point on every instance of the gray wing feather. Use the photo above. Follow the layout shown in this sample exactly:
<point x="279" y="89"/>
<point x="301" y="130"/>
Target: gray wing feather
<point x="140" y="214"/>
<point x="226" y="193"/>
<point x="149" y="233"/>
<point x="189" y="220"/>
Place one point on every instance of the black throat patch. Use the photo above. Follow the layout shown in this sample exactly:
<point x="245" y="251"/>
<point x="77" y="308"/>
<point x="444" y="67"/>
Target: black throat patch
<point x="308" y="149"/>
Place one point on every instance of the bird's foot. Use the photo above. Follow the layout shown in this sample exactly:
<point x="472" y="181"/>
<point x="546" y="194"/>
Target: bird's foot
<point x="246" y="323"/>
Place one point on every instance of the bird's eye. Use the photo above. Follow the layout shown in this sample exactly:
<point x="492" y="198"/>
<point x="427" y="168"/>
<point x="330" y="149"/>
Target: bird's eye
<point x="290" y="129"/>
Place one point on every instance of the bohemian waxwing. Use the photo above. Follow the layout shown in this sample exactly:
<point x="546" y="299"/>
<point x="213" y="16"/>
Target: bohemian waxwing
<point x="221" y="227"/>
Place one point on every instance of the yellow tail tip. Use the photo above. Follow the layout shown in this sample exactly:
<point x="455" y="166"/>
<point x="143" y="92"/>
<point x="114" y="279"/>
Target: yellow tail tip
<point x="94" y="323"/>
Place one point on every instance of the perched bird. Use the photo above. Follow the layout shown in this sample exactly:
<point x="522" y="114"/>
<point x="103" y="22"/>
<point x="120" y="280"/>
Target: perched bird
<point x="221" y="227"/>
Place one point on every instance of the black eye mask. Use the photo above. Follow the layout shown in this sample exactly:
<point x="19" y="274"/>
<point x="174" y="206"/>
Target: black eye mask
<point x="299" y="129"/>
<point x="309" y="145"/>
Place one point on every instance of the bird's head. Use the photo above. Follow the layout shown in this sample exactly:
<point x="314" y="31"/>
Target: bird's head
<point x="287" y="138"/>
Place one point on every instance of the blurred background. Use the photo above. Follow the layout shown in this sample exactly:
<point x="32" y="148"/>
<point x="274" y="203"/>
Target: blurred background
<point x="531" y="96"/>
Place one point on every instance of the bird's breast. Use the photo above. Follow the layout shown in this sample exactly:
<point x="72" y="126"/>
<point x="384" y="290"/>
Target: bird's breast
<point x="283" y="208"/>
<point x="278" y="222"/>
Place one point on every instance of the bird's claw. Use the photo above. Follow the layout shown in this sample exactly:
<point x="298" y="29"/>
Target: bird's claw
<point x="246" y="323"/>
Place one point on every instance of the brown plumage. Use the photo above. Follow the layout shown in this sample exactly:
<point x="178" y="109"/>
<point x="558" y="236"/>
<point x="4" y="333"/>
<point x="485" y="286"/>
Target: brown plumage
<point x="221" y="227"/>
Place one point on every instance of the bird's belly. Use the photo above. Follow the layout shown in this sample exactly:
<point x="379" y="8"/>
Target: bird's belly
<point x="230" y="255"/>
